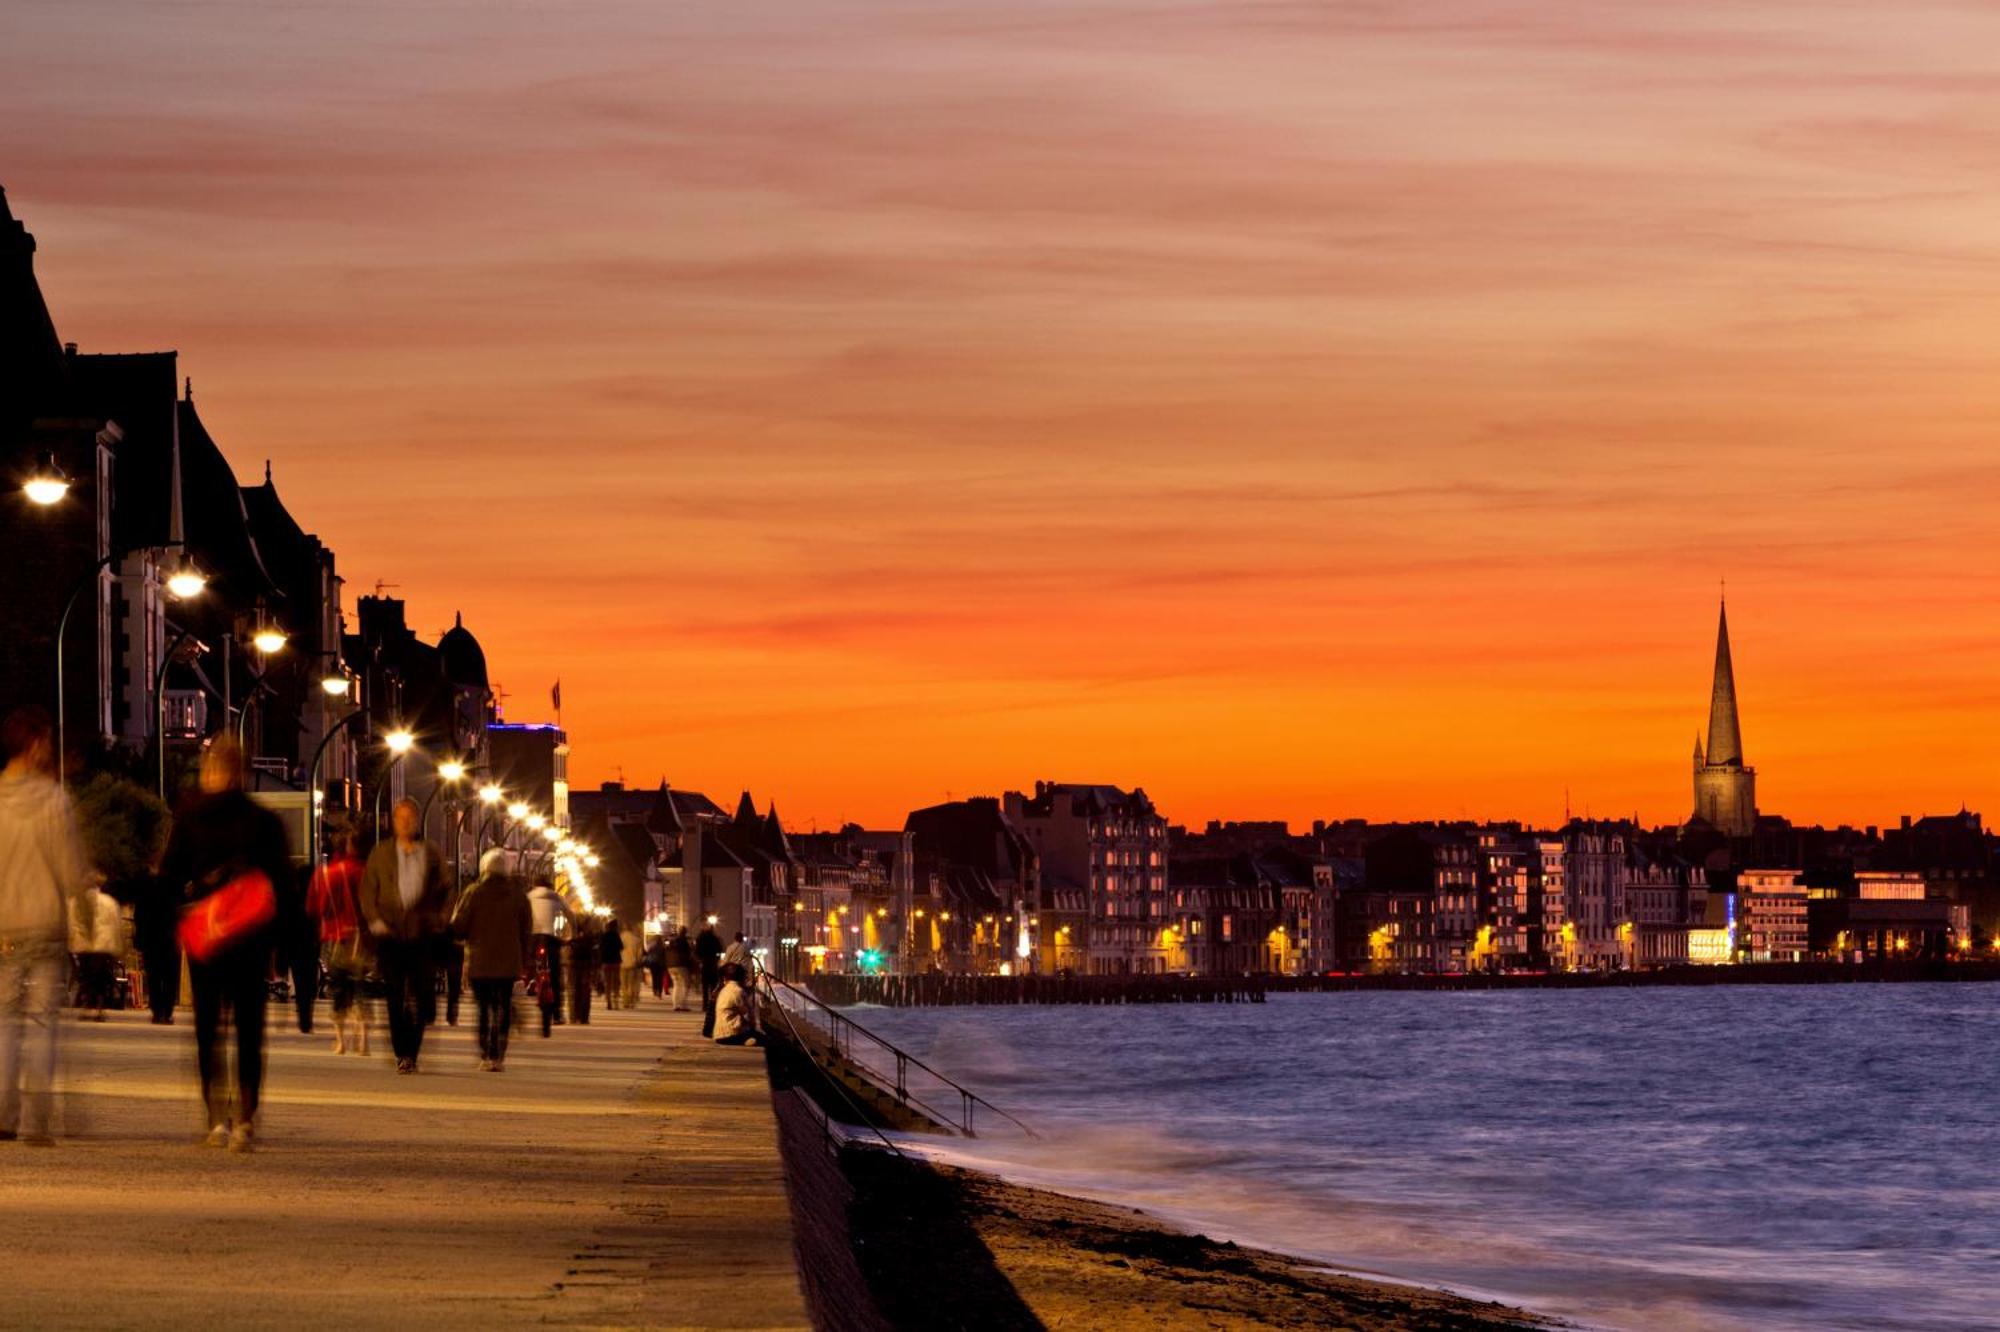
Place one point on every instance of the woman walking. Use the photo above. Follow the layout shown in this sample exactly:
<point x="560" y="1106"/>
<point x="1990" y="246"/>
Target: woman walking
<point x="333" y="900"/>
<point x="224" y="843"/>
<point x="495" y="921"/>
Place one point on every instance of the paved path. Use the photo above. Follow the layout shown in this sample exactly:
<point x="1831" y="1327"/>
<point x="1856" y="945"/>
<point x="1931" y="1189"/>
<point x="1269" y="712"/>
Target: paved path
<point x="620" y="1174"/>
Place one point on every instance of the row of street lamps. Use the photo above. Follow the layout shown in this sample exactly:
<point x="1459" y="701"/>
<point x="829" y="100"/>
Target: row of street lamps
<point x="46" y="485"/>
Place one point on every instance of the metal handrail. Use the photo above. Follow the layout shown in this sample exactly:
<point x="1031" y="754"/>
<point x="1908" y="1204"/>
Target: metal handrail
<point x="826" y="1120"/>
<point x="841" y="1031"/>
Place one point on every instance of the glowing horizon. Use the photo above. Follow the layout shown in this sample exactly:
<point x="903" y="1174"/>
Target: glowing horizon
<point x="1299" y="414"/>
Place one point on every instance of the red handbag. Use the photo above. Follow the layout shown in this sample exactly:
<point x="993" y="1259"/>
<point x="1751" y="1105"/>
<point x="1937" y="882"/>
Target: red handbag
<point x="229" y="915"/>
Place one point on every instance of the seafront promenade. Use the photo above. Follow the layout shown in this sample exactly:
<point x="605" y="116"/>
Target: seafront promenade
<point x="620" y="1174"/>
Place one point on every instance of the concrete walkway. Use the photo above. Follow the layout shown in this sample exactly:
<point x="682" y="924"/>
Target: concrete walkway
<point x="622" y="1174"/>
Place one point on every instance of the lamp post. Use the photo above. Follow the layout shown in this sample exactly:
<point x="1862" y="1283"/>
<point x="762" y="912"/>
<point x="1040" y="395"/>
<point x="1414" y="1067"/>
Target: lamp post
<point x="312" y="784"/>
<point x="186" y="582"/>
<point x="160" y="704"/>
<point x="399" y="742"/>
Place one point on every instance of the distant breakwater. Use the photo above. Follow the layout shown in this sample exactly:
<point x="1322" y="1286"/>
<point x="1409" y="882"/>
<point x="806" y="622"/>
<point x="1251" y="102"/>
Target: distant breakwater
<point x="944" y="990"/>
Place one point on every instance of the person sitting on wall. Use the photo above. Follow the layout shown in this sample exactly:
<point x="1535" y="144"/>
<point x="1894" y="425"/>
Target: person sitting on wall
<point x="735" y="1009"/>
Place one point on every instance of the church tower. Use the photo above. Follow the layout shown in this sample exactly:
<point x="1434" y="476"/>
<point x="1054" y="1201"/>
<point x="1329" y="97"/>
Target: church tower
<point x="1725" y="791"/>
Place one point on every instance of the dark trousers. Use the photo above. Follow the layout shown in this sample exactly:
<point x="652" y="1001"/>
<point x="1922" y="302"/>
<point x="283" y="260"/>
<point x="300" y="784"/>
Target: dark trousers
<point x="163" y="980"/>
<point x="659" y="975"/>
<point x="305" y="986"/>
<point x="406" y="972"/>
<point x="579" y="988"/>
<point x="231" y="990"/>
<point x="496" y="1016"/>
<point x="711" y="985"/>
<point x="451" y="966"/>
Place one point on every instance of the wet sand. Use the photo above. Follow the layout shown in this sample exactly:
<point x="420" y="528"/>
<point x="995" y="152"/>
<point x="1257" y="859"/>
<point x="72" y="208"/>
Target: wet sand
<point x="942" y="1247"/>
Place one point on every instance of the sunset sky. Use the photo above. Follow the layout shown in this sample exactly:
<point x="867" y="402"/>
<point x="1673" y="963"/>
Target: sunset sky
<point x="1298" y="409"/>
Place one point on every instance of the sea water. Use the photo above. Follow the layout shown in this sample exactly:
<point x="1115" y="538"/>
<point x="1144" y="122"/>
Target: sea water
<point x="1751" y="1157"/>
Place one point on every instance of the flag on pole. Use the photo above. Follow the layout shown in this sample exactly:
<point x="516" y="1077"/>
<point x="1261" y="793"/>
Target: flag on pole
<point x="555" y="698"/>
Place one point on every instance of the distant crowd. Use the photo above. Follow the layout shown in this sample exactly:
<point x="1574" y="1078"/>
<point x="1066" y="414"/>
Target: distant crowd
<point x="227" y="901"/>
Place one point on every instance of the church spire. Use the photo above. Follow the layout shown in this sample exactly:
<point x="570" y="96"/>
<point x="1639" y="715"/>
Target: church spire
<point x="1725" y="737"/>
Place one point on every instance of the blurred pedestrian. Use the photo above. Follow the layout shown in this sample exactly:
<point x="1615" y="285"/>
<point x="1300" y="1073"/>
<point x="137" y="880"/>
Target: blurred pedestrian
<point x="402" y="899"/>
<point x="223" y="844"/>
<point x="708" y="952"/>
<point x="680" y="963"/>
<point x="97" y="938"/>
<point x="584" y="966"/>
<point x="300" y="945"/>
<point x="155" y="912"/>
<point x="497" y="924"/>
<point x="42" y="872"/>
<point x="552" y="922"/>
<point x="450" y="957"/>
<point x="611" y="957"/>
<point x="739" y="953"/>
<point x="655" y="959"/>
<point x="735" y="1010"/>
<point x="334" y="900"/>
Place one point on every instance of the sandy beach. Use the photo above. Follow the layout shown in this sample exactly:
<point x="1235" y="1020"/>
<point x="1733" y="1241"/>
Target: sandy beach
<point x="945" y="1247"/>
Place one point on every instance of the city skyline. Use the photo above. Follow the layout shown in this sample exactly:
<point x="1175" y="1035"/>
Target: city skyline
<point x="1290" y="450"/>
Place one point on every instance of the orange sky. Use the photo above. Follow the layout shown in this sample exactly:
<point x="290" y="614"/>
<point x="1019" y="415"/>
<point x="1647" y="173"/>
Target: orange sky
<point x="1299" y="410"/>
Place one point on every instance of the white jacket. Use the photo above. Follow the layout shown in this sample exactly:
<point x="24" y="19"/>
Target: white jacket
<point x="732" y="1010"/>
<point x="97" y="924"/>
<point x="41" y="858"/>
<point x="548" y="908"/>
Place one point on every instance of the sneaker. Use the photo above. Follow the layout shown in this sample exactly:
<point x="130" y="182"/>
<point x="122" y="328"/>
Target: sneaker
<point x="218" y="1136"/>
<point x="8" y="1135"/>
<point x="406" y="1065"/>
<point x="239" y="1139"/>
<point x="499" y="1066"/>
<point x="486" y="1066"/>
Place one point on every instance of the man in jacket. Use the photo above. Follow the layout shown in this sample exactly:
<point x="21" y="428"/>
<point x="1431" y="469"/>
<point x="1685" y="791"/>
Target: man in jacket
<point x="403" y="900"/>
<point x="680" y="961"/>
<point x="41" y="875"/>
<point x="497" y="924"/>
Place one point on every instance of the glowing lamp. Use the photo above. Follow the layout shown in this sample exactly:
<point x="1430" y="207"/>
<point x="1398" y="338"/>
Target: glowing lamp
<point x="334" y="686"/>
<point x="46" y="484"/>
<point x="185" y="582"/>
<point x="489" y="794"/>
<point x="399" y="742"/>
<point x="517" y="811"/>
<point x="452" y="770"/>
<point x="268" y="641"/>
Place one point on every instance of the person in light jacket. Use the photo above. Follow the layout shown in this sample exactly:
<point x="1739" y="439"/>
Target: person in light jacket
<point x="631" y="961"/>
<point x="735" y="1012"/>
<point x="97" y="937"/>
<point x="497" y="925"/>
<point x="552" y="922"/>
<point x="42" y="872"/>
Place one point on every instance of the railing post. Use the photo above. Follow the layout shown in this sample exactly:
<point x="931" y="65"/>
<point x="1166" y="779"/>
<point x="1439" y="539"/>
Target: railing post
<point x="902" y="1076"/>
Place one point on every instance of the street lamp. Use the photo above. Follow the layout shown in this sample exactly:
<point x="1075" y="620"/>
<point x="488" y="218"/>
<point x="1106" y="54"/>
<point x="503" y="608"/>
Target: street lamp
<point x="333" y="685"/>
<point x="269" y="640"/>
<point x="185" y="580"/>
<point x="399" y="742"/>
<point x="45" y="485"/>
